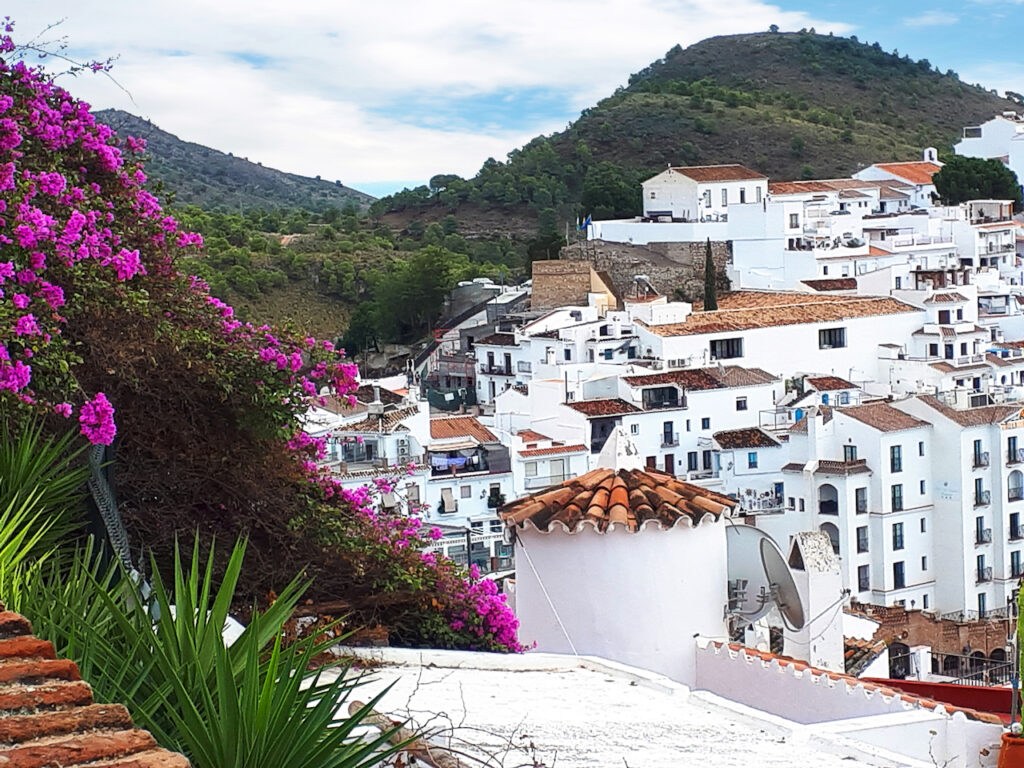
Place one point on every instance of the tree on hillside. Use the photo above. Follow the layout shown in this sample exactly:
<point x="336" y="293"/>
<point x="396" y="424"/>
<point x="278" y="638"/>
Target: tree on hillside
<point x="972" y="178"/>
<point x="610" y="191"/>
<point x="710" y="288"/>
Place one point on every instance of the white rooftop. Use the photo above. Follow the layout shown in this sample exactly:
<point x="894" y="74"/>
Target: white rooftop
<point x="586" y="712"/>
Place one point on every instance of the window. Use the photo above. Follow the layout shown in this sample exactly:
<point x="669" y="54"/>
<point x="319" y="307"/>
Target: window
<point x="757" y="191"/>
<point x="862" y="539"/>
<point x="944" y="317"/>
<point x="691" y="461"/>
<point x="861" y="496"/>
<point x="634" y="429"/>
<point x="531" y="468"/>
<point x="1015" y="569"/>
<point x="897" y="536"/>
<point x="980" y="560"/>
<point x="741" y="403"/>
<point x="922" y="487"/>
<point x="792" y="503"/>
<point x="899" y="577"/>
<point x="608" y="354"/>
<point x="831" y="338"/>
<point x="465" y="491"/>
<point x="849" y="453"/>
<point x="726" y="349"/>
<point x="933" y="350"/>
<point x="654" y="195"/>
<point x="963" y="348"/>
<point x="895" y="458"/>
<point x="794" y="220"/>
<point x="752" y="460"/>
<point x="725" y="196"/>
<point x="568" y="354"/>
<point x="743" y="194"/>
<point x="496" y="526"/>
<point x="706" y="459"/>
<point x="959" y="314"/>
<point x="981" y="605"/>
<point x="1011" y="450"/>
<point x="864" y="578"/>
<point x="707" y="198"/>
<point x="802" y="507"/>
<point x="705" y="423"/>
<point x="920" y="448"/>
<point x="897" y="497"/>
<point x="899" y="283"/>
<point x="924" y="525"/>
<point x="924" y="562"/>
<point x="477" y="525"/>
<point x="687" y="425"/>
<point x="924" y="602"/>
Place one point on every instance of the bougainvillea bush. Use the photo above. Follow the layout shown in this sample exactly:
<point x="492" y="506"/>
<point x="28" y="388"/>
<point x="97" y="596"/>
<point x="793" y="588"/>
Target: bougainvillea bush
<point x="98" y="328"/>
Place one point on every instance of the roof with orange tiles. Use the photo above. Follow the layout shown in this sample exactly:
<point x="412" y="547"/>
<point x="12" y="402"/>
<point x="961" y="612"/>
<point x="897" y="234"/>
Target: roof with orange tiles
<point x="689" y="379"/>
<point x="914" y="172"/>
<point x="828" y="383"/>
<point x="751" y="437"/>
<point x="998" y="361"/>
<point x="947" y="368"/>
<point x="737" y="376"/>
<point x="731" y="172"/>
<point x="529" y="436"/>
<point x="552" y="451"/>
<point x="874" y="250"/>
<point x="970" y="417"/>
<point x="945" y="298"/>
<point x="770" y="310"/>
<point x="48" y="717"/>
<point x="853" y="682"/>
<point x="833" y="284"/>
<point x="883" y="417"/>
<point x="606" y="498"/>
<point x="1008" y="344"/>
<point x="609" y="406"/>
<point x="859" y="653"/>
<point x="887" y="192"/>
<point x="456" y="427"/>
<point x="819" y="185"/>
<point x="386" y="424"/>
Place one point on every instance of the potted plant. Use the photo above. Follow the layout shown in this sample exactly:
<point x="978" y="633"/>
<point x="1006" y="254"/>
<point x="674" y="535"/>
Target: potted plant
<point x="1011" y="753"/>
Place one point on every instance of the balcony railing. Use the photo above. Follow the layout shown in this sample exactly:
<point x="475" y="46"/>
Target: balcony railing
<point x="496" y="370"/>
<point x="981" y="460"/>
<point x="983" y="575"/>
<point x="828" y="507"/>
<point x="1015" y="493"/>
<point x="1016" y="533"/>
<point x="983" y="536"/>
<point x="1015" y="456"/>
<point x="669" y="440"/>
<point x="543" y="481"/>
<point x="983" y="499"/>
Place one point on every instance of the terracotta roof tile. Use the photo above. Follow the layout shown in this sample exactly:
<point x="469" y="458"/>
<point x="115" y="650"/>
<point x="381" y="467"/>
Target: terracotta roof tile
<point x="818" y="185"/>
<point x="914" y="172"/>
<point x="945" y="298"/>
<point x="606" y="497"/>
<point x="853" y="682"/>
<point x="555" y="449"/>
<point x="767" y="310"/>
<point x="454" y="427"/>
<point x="386" y="424"/>
<point x="859" y="653"/>
<point x="529" y="436"/>
<point x="690" y="379"/>
<point x="48" y="718"/>
<point x="611" y="406"/>
<point x="736" y="376"/>
<point x="801" y="426"/>
<point x="999" y="362"/>
<point x="833" y="284"/>
<point x="883" y="417"/>
<point x="753" y="437"/>
<point x="730" y="172"/>
<point x="829" y="383"/>
<point x="971" y="417"/>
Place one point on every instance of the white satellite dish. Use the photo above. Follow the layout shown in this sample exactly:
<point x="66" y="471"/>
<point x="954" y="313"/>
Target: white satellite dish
<point x="759" y="578"/>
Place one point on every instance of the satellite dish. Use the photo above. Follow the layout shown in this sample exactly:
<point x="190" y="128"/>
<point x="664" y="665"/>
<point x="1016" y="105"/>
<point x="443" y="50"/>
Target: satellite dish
<point x="759" y="578"/>
<point x="784" y="590"/>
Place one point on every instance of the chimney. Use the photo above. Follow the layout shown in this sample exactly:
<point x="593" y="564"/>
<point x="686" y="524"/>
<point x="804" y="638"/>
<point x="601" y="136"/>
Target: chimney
<point x="376" y="408"/>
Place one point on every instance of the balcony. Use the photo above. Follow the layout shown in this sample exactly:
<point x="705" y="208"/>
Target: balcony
<point x="983" y="499"/>
<point x="983" y="536"/>
<point x="496" y="370"/>
<point x="982" y="575"/>
<point x="980" y="460"/>
<point x="1015" y="493"/>
<point x="669" y="440"/>
<point x="828" y="507"/>
<point x="544" y="481"/>
<point x="1016" y="533"/>
<point x="1016" y="571"/>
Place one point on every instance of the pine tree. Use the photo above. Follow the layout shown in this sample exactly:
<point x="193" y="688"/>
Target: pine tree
<point x="710" y="288"/>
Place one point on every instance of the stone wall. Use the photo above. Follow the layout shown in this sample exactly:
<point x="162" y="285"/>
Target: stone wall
<point x="675" y="269"/>
<point x="560" y="283"/>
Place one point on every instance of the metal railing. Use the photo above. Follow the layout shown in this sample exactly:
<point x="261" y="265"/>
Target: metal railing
<point x="669" y="440"/>
<point x="983" y="574"/>
<point x="983" y="536"/>
<point x="981" y="460"/>
<point x="983" y="499"/>
<point x="1015" y="493"/>
<point x="971" y="670"/>
<point x="1016" y="533"/>
<point x="496" y="370"/>
<point x="543" y="481"/>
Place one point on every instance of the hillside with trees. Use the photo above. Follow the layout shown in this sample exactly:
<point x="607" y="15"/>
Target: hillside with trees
<point x="790" y="105"/>
<point x="196" y="175"/>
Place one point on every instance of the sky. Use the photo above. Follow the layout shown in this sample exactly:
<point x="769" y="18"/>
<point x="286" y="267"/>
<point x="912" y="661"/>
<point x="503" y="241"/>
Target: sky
<point x="382" y="95"/>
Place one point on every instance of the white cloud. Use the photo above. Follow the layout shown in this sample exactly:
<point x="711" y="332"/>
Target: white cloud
<point x="931" y="19"/>
<point x="337" y="68"/>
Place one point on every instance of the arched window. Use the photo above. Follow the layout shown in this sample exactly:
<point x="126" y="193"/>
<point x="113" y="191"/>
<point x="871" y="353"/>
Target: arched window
<point x="833" y="535"/>
<point x="1015" y="485"/>
<point x="828" y="500"/>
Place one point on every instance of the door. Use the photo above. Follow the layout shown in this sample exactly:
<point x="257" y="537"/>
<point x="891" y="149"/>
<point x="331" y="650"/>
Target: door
<point x="557" y="470"/>
<point x="670" y="463"/>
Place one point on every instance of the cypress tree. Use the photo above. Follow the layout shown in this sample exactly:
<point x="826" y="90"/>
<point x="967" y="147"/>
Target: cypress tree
<point x="710" y="289"/>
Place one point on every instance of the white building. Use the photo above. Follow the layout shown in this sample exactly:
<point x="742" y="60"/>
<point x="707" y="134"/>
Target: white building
<point x="1001" y="138"/>
<point x="699" y="193"/>
<point x="916" y="174"/>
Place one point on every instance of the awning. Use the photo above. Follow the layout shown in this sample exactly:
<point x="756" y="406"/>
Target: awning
<point x="446" y="447"/>
<point x="448" y="500"/>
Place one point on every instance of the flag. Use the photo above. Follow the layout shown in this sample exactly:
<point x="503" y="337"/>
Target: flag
<point x="586" y="223"/>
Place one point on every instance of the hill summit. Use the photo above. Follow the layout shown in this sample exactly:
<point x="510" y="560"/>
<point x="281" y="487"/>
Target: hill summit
<point x="198" y="175"/>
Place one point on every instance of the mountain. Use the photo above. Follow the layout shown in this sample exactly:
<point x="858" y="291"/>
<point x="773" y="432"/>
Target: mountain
<point x="198" y="175"/>
<point x="790" y="105"/>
